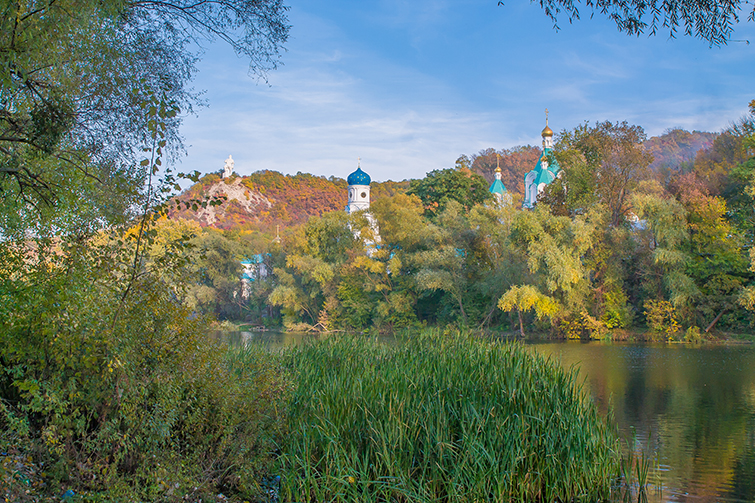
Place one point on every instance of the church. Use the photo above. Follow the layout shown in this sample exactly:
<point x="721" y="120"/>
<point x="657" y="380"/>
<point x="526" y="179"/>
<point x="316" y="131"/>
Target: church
<point x="536" y="180"/>
<point x="359" y="190"/>
<point x="359" y="200"/>
<point x="545" y="172"/>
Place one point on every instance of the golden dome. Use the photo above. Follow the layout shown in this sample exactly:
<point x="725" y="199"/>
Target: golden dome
<point x="547" y="131"/>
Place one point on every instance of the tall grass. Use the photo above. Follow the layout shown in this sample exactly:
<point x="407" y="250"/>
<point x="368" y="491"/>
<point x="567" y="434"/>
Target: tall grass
<point x="634" y="473"/>
<point x="441" y="419"/>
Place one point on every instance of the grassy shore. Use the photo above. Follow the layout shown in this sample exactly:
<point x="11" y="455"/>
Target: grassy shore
<point x="440" y="419"/>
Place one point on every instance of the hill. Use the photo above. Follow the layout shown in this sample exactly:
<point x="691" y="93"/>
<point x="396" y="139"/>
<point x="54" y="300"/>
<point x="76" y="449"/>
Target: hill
<point x="265" y="199"/>
<point x="676" y="148"/>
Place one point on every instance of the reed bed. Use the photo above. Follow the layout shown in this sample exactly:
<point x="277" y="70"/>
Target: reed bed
<point x="441" y="419"/>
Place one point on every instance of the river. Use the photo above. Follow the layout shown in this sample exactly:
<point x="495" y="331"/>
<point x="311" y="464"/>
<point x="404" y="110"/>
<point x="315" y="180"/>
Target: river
<point x="691" y="407"/>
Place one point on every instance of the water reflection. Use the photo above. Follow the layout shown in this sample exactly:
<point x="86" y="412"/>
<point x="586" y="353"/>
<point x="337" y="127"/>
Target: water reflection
<point x="696" y="405"/>
<point x="271" y="339"/>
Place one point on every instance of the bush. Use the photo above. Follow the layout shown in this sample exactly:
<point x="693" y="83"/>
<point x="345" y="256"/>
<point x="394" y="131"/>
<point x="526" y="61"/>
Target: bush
<point x="693" y="334"/>
<point x="441" y="419"/>
<point x="116" y="388"/>
<point x="661" y="319"/>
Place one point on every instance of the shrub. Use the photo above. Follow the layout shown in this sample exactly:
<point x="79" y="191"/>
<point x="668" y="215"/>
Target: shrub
<point x="117" y="389"/>
<point x="661" y="318"/>
<point x="693" y="334"/>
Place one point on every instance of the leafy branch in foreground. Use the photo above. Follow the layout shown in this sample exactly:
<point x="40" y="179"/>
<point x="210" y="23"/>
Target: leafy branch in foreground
<point x="91" y="121"/>
<point x="712" y="21"/>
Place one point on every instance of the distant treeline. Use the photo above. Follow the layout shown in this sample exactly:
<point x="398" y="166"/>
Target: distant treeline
<point x="638" y="236"/>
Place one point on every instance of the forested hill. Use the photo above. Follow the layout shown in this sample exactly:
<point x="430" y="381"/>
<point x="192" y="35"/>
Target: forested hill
<point x="672" y="151"/>
<point x="266" y="198"/>
<point x="676" y="148"/>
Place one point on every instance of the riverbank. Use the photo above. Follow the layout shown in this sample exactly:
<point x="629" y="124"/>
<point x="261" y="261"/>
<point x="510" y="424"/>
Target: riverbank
<point x="637" y="334"/>
<point x="434" y="416"/>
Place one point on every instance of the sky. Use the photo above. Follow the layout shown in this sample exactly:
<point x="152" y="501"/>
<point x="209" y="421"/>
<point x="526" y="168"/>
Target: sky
<point x="408" y="86"/>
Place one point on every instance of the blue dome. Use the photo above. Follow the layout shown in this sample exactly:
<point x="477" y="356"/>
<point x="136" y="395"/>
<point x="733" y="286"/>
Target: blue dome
<point x="358" y="177"/>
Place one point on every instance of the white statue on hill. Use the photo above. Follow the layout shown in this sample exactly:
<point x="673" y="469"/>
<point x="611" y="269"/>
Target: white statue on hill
<point x="228" y="168"/>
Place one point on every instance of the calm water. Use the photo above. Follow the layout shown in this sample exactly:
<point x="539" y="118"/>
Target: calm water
<point x="691" y="407"/>
<point x="694" y="407"/>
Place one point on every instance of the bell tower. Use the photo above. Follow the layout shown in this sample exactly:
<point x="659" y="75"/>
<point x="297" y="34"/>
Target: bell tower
<point x="359" y="190"/>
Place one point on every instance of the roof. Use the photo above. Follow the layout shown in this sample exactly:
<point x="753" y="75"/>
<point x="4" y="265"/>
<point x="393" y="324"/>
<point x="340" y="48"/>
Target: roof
<point x="358" y="177"/>
<point x="553" y="166"/>
<point x="497" y="187"/>
<point x="254" y="259"/>
<point x="545" y="176"/>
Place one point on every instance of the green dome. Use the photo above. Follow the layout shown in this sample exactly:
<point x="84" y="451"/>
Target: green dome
<point x="358" y="177"/>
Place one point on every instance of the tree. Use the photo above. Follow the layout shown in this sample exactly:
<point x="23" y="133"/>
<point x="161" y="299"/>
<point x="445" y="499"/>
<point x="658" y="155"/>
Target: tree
<point x="76" y="78"/>
<point x="710" y="21"/>
<point x="663" y="237"/>
<point x="104" y="368"/>
<point x="308" y="285"/>
<point x="458" y="184"/>
<point x="716" y="262"/>
<point x="525" y="297"/>
<point x="498" y="263"/>
<point x="603" y="164"/>
<point x="747" y="297"/>
<point x="390" y="269"/>
<point x="561" y="261"/>
<point x="456" y="260"/>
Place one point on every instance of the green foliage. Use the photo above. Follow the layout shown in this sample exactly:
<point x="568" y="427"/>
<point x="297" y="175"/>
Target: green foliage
<point x="56" y="119"/>
<point x="665" y="274"/>
<point x="115" y="386"/>
<point x="617" y="313"/>
<point x="710" y="21"/>
<point x="309" y="282"/>
<point x="458" y="184"/>
<point x="440" y="418"/>
<point x="747" y="298"/>
<point x="525" y="297"/>
<point x="603" y="164"/>
<point x="692" y="334"/>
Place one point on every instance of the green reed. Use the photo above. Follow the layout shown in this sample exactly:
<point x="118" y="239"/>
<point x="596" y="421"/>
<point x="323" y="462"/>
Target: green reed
<point x="441" y="419"/>
<point x="634" y="473"/>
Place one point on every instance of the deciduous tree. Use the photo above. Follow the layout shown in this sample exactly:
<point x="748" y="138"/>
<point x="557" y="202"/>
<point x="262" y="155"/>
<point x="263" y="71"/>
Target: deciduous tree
<point x="458" y="184"/>
<point x="603" y="163"/>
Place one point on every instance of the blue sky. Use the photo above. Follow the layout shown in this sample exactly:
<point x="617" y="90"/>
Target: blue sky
<point x="409" y="85"/>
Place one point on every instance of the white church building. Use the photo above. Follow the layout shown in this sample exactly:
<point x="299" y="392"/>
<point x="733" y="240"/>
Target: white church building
<point x="544" y="173"/>
<point x="359" y="191"/>
<point x="536" y="180"/>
